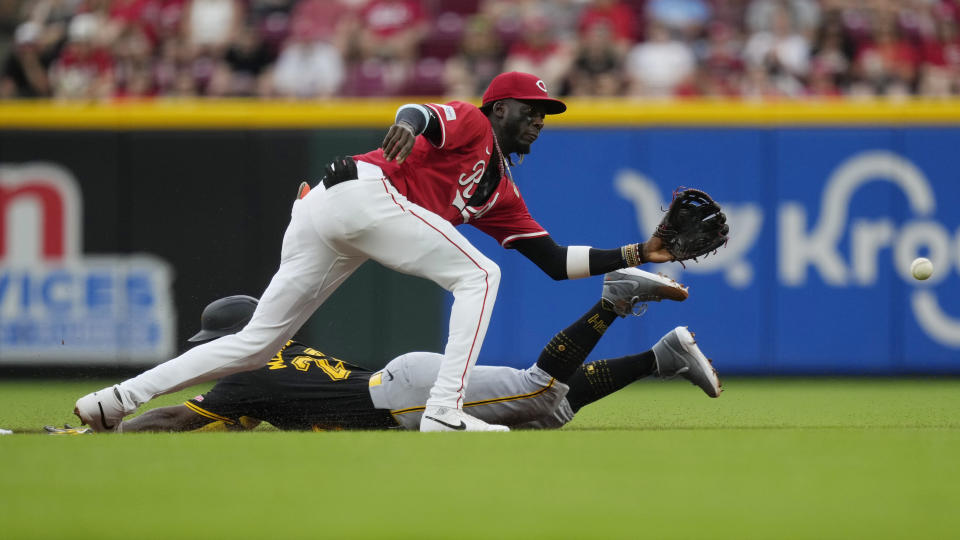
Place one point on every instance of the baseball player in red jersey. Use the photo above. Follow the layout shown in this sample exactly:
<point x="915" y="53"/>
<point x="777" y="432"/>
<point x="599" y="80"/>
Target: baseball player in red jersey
<point x="439" y="166"/>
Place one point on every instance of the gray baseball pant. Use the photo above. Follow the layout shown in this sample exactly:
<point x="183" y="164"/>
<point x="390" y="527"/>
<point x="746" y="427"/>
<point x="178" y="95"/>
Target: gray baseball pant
<point x="519" y="398"/>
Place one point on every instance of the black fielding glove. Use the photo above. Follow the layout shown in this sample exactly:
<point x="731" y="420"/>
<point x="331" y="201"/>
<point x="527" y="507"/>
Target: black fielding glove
<point x="694" y="225"/>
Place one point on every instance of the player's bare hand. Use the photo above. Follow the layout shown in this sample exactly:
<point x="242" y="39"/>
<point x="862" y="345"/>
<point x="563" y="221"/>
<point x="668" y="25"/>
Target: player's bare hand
<point x="399" y="142"/>
<point x="654" y="251"/>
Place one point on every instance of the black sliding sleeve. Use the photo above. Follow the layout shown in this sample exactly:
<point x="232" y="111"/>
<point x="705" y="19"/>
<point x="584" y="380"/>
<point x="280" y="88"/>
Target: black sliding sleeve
<point x="413" y="115"/>
<point x="550" y="257"/>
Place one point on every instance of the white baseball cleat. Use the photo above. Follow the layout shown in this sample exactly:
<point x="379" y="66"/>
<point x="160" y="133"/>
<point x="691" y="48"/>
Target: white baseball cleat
<point x="677" y="354"/>
<point x="626" y="288"/>
<point x="446" y="419"/>
<point x="103" y="410"/>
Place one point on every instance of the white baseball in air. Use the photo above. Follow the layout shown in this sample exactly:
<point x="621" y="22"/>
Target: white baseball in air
<point x="921" y="268"/>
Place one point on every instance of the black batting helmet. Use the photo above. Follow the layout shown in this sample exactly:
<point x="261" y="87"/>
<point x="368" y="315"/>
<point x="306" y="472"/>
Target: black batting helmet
<point x="225" y="316"/>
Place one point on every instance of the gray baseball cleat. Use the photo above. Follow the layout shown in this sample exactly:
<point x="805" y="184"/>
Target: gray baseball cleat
<point x="626" y="291"/>
<point x="677" y="354"/>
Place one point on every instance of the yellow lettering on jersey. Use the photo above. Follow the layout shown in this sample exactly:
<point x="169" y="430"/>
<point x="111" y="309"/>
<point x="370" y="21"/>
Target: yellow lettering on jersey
<point x="277" y="361"/>
<point x="302" y="363"/>
<point x="337" y="372"/>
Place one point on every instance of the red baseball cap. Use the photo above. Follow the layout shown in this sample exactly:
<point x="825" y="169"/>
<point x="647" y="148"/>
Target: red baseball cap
<point x="522" y="86"/>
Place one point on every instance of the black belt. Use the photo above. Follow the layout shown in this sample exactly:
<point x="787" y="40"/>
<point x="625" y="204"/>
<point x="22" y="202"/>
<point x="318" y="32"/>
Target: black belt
<point x="339" y="170"/>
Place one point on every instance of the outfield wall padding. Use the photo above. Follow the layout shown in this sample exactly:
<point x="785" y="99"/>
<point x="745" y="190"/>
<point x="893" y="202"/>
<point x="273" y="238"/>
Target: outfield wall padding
<point x="828" y="204"/>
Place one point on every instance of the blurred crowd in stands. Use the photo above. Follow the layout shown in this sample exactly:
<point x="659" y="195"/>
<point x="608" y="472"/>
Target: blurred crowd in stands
<point x="305" y="49"/>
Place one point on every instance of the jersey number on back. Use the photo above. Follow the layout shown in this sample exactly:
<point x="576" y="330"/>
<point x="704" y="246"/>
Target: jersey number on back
<point x="336" y="372"/>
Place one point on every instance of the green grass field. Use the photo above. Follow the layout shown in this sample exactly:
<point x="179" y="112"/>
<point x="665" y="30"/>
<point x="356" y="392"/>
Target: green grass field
<point x="771" y="459"/>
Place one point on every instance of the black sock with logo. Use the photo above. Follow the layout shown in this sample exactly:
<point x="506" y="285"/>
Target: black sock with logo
<point x="568" y="349"/>
<point x="601" y="378"/>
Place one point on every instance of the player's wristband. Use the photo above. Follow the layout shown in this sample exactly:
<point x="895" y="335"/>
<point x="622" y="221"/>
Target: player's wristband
<point x="632" y="254"/>
<point x="578" y="262"/>
<point x="416" y="116"/>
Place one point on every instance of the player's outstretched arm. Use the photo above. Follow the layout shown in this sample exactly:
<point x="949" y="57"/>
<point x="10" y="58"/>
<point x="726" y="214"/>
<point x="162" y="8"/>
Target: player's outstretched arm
<point x="573" y="262"/>
<point x="653" y="250"/>
<point x="175" y="418"/>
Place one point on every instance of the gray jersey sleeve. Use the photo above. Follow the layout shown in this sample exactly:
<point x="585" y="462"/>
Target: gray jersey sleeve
<point x="527" y="398"/>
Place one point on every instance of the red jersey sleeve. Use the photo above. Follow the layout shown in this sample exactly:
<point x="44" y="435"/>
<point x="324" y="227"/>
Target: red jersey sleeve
<point x="460" y="124"/>
<point x="509" y="220"/>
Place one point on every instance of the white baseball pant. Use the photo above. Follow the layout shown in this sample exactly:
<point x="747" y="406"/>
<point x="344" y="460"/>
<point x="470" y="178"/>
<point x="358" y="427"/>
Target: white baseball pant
<point x="331" y="233"/>
<point x="519" y="398"/>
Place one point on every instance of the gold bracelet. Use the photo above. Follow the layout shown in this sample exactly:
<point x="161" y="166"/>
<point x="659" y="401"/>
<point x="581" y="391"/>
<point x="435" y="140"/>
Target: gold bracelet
<point x="630" y="254"/>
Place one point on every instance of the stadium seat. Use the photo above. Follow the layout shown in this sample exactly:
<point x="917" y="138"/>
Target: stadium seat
<point x="426" y="79"/>
<point x="444" y="38"/>
<point x="462" y="7"/>
<point x="365" y="79"/>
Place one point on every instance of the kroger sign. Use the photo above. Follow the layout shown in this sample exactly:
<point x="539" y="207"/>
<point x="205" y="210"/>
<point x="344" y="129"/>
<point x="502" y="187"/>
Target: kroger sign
<point x="815" y="278"/>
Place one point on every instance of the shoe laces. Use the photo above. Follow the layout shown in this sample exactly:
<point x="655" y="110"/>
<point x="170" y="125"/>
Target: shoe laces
<point x="637" y="309"/>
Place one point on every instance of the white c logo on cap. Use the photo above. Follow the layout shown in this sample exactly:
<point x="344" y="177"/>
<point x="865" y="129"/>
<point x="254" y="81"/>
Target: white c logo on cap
<point x="542" y="86"/>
